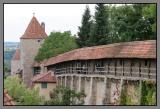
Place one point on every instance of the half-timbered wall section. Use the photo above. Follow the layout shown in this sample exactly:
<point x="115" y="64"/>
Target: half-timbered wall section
<point x="136" y="68"/>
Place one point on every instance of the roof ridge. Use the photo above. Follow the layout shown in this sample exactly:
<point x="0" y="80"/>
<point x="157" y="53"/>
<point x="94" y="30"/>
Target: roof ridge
<point x="102" y="46"/>
<point x="40" y="76"/>
<point x="116" y="50"/>
<point x="45" y="74"/>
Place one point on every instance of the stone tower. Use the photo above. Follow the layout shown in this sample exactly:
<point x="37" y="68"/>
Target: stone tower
<point x="30" y="42"/>
<point x="15" y="62"/>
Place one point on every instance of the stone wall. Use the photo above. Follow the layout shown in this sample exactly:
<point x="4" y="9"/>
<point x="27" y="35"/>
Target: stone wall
<point x="100" y="89"/>
<point x="104" y="90"/>
<point x="106" y="87"/>
<point x="45" y="92"/>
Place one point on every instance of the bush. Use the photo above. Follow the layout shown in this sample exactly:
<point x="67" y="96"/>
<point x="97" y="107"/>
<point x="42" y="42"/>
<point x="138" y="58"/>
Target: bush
<point x="65" y="96"/>
<point x="20" y="94"/>
<point x="148" y="93"/>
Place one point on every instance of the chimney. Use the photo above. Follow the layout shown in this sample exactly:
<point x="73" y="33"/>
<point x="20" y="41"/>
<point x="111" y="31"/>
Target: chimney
<point x="43" y="25"/>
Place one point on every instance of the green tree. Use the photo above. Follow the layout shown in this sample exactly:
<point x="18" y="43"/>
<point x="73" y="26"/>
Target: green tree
<point x="141" y="26"/>
<point x="84" y="30"/>
<point x="127" y="23"/>
<point x="100" y="35"/>
<point x="148" y="93"/>
<point x="6" y="70"/>
<point x="65" y="96"/>
<point x="20" y="94"/>
<point x="149" y="13"/>
<point x="55" y="44"/>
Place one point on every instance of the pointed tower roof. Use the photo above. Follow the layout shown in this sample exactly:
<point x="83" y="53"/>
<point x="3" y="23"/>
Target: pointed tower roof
<point x="34" y="30"/>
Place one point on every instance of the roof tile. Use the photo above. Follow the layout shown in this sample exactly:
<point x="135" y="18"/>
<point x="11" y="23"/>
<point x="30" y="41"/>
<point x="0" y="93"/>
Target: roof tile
<point x="7" y="99"/>
<point x="34" y="30"/>
<point x="135" y="49"/>
<point x="44" y="77"/>
<point x="16" y="55"/>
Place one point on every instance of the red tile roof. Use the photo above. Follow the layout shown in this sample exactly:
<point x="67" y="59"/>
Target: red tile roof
<point x="44" y="77"/>
<point x="16" y="55"/>
<point x="34" y="30"/>
<point x="135" y="49"/>
<point x="7" y="99"/>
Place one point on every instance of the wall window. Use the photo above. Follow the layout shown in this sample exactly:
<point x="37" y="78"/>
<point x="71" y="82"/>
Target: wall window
<point x="39" y="40"/>
<point x="121" y="62"/>
<point x="43" y="85"/>
<point x="36" y="71"/>
<point x="146" y="62"/>
<point x="100" y="64"/>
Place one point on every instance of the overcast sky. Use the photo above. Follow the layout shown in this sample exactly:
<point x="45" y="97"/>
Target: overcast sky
<point x="57" y="17"/>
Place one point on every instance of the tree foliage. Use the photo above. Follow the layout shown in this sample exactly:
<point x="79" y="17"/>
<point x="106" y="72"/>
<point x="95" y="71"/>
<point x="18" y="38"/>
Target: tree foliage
<point x="20" y="94"/>
<point x="148" y="93"/>
<point x="6" y="70"/>
<point x="100" y="33"/>
<point x="128" y="24"/>
<point x="55" y="44"/>
<point x="65" y="96"/>
<point x="149" y="13"/>
<point x="112" y="23"/>
<point x="84" y="30"/>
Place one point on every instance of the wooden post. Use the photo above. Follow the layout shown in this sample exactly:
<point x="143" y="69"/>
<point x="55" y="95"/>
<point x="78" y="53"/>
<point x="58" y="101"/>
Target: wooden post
<point x="123" y="67"/>
<point x="140" y="69"/>
<point x="131" y="67"/>
<point x="115" y="67"/>
<point x="149" y="69"/>
<point x="108" y="67"/>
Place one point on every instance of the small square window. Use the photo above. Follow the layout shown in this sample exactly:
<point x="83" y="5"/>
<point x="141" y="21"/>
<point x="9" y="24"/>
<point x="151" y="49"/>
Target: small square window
<point x="43" y="85"/>
<point x="38" y="40"/>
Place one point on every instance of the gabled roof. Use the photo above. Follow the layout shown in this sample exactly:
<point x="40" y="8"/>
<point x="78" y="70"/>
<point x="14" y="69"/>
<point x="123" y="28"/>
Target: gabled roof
<point x="34" y="30"/>
<point x="44" y="77"/>
<point x="16" y="55"/>
<point x="136" y="49"/>
<point x="7" y="99"/>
